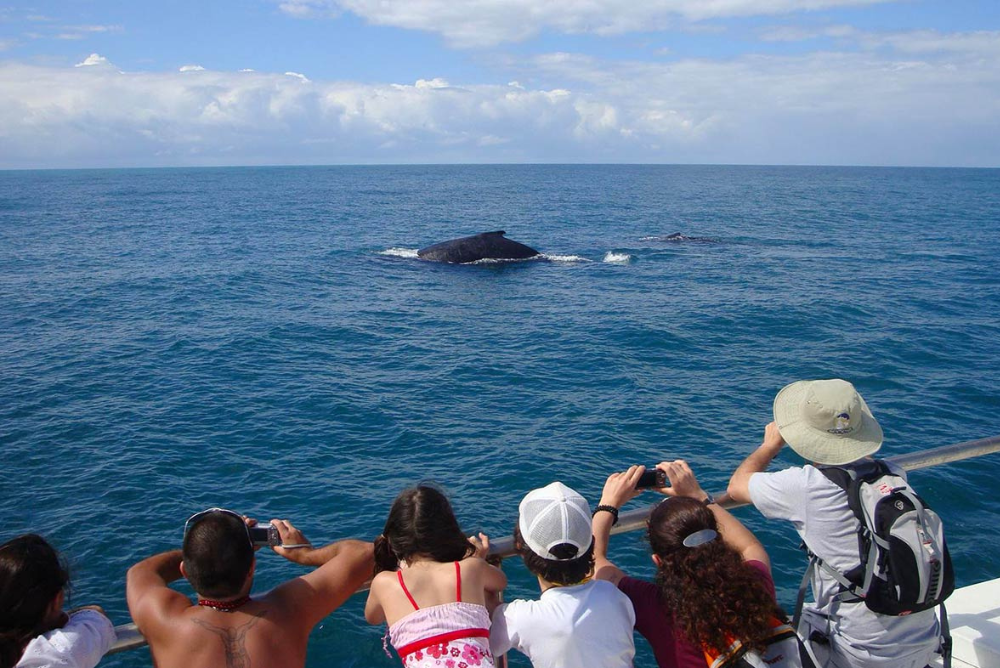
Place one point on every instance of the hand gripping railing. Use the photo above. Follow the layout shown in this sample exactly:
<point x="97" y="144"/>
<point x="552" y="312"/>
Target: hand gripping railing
<point x="130" y="638"/>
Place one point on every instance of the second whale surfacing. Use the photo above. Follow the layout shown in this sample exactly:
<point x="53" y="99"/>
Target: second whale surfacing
<point x="485" y="246"/>
<point x="677" y="237"/>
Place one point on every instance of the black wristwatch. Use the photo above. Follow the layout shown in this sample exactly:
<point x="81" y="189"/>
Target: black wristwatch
<point x="608" y="509"/>
<point x="709" y="500"/>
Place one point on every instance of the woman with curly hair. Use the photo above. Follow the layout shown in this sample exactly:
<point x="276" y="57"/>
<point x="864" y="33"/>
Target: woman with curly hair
<point x="713" y="597"/>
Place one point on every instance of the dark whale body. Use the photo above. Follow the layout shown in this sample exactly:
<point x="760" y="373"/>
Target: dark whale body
<point x="488" y="245"/>
<point x="677" y="237"/>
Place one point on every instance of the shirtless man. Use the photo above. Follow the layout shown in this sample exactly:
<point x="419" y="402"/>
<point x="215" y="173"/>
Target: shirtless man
<point x="227" y="627"/>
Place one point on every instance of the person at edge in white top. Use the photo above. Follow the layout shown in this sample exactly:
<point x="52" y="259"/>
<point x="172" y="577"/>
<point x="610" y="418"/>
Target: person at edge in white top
<point x="827" y="422"/>
<point x="35" y="632"/>
<point x="577" y="622"/>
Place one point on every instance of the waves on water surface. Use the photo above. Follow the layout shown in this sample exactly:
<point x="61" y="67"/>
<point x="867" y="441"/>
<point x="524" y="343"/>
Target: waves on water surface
<point x="260" y="339"/>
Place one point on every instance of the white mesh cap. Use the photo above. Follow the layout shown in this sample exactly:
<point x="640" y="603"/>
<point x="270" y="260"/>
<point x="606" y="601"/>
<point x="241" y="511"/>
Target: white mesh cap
<point x="555" y="515"/>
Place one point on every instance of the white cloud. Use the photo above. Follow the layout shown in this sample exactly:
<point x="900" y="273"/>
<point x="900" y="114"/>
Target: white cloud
<point x="95" y="115"/>
<point x="865" y="107"/>
<point x="437" y="82"/>
<point x="308" y="8"/>
<point x="191" y="68"/>
<point x="94" y="60"/>
<point x="482" y="23"/>
<point x="492" y="140"/>
<point x="296" y="75"/>
<point x="7" y="44"/>
<point x="982" y="42"/>
<point x="82" y="29"/>
<point x="799" y="34"/>
<point x="73" y="32"/>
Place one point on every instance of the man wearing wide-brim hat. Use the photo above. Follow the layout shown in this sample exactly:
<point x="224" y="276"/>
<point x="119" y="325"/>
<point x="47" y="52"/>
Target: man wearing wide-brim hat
<point x="827" y="422"/>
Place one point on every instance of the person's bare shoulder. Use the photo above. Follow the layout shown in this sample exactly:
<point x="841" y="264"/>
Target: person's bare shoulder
<point x="473" y="567"/>
<point x="383" y="579"/>
<point x="256" y="635"/>
<point x="160" y="612"/>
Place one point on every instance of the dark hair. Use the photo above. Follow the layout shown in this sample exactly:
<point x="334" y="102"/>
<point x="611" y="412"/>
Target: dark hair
<point x="420" y="522"/>
<point x="713" y="594"/>
<point x="31" y="575"/>
<point x="567" y="572"/>
<point x="217" y="555"/>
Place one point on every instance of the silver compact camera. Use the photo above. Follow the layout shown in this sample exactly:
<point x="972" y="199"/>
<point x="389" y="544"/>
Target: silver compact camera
<point x="264" y="534"/>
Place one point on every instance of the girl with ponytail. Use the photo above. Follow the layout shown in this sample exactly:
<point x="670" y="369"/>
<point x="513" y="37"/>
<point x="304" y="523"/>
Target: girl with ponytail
<point x="713" y="598"/>
<point x="34" y="630"/>
<point x="432" y="586"/>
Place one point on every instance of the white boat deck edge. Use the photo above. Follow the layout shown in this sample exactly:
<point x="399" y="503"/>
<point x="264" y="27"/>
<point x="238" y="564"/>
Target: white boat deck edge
<point x="974" y="618"/>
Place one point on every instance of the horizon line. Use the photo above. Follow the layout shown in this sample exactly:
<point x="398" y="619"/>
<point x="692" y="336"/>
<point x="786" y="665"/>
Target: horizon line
<point x="490" y="164"/>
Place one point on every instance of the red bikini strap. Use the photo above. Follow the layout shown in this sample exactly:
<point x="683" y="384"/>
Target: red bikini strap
<point x="399" y="576"/>
<point x="458" y="582"/>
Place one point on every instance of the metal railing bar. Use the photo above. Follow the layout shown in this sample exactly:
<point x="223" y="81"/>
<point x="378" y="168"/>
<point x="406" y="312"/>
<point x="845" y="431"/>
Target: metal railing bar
<point x="635" y="519"/>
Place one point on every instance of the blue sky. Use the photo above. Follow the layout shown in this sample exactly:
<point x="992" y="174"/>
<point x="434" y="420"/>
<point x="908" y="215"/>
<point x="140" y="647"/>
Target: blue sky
<point x="858" y="82"/>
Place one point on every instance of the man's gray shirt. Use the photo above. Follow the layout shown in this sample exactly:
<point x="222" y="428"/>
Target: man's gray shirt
<point x="818" y="510"/>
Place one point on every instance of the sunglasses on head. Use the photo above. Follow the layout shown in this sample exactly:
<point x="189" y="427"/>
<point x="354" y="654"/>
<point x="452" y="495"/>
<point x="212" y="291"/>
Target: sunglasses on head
<point x="197" y="517"/>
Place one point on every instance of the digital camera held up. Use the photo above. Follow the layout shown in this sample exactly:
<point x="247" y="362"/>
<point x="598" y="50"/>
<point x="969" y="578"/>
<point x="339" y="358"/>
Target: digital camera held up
<point x="651" y="477"/>
<point x="264" y="535"/>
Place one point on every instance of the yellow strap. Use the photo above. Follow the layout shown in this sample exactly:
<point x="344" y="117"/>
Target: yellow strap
<point x="556" y="585"/>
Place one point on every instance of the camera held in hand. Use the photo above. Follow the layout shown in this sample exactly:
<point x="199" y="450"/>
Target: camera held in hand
<point x="264" y="535"/>
<point x="651" y="477"/>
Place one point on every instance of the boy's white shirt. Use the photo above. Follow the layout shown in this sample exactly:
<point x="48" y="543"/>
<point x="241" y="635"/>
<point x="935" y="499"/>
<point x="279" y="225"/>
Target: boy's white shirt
<point x="568" y="627"/>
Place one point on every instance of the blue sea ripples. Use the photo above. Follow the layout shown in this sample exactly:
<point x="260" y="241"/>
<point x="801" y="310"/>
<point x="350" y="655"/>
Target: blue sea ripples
<point x="265" y="339"/>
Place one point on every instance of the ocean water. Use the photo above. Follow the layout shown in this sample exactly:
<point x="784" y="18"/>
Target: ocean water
<point x="265" y="339"/>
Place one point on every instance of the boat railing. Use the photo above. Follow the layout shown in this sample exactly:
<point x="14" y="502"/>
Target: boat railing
<point x="633" y="520"/>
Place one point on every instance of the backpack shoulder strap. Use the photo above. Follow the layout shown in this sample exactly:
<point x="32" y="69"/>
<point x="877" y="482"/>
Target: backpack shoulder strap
<point x="838" y="475"/>
<point x="850" y="478"/>
<point x="945" y="638"/>
<point x="800" y="600"/>
<point x="865" y="471"/>
<point x="850" y="591"/>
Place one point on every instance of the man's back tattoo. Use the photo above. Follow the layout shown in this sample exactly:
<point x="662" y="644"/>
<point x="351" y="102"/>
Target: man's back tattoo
<point x="234" y="640"/>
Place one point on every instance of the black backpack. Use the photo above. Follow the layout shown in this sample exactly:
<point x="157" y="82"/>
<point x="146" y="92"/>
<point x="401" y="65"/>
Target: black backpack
<point x="905" y="565"/>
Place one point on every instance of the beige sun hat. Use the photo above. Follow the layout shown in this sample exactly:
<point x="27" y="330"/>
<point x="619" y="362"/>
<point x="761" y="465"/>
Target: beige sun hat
<point x="826" y="421"/>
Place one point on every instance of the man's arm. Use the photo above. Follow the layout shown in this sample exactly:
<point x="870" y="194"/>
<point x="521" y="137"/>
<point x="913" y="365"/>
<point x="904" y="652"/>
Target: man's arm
<point x="342" y="567"/>
<point x="150" y="601"/>
<point x="494" y="579"/>
<point x="619" y="489"/>
<point x="374" y="614"/>
<point x="757" y="462"/>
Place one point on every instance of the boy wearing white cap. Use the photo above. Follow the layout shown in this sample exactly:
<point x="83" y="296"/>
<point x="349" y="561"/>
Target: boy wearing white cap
<point x="827" y="422"/>
<point x="577" y="622"/>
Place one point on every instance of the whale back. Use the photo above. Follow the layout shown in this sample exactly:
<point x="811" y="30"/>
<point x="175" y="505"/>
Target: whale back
<point x="487" y="245"/>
